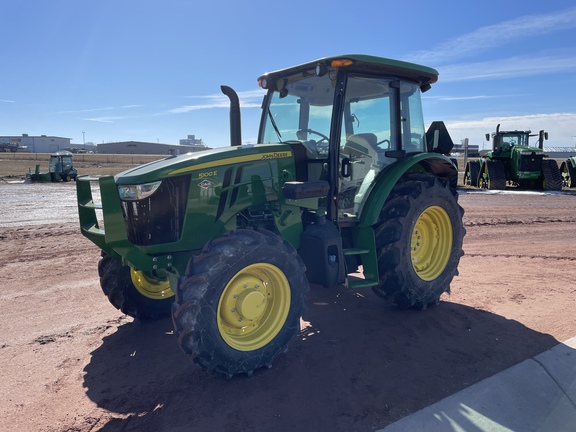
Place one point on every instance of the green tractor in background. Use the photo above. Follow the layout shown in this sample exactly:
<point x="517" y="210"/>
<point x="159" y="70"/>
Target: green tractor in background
<point x="344" y="177"/>
<point x="514" y="162"/>
<point x="60" y="168"/>
<point x="568" y="170"/>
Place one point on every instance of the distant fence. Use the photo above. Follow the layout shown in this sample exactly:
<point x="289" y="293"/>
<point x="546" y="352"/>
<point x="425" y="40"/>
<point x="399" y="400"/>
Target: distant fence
<point x="91" y="158"/>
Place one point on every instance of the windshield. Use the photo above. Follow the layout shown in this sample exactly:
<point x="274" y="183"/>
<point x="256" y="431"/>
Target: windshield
<point x="515" y="140"/>
<point x="301" y="111"/>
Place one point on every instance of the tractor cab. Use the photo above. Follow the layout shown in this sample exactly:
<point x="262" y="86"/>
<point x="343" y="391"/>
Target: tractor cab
<point x="61" y="167"/>
<point x="60" y="162"/>
<point x="347" y="119"/>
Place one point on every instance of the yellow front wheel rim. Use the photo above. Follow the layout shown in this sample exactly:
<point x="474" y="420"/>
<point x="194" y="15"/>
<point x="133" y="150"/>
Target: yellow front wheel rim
<point x="431" y="243"/>
<point x="253" y="307"/>
<point x="149" y="287"/>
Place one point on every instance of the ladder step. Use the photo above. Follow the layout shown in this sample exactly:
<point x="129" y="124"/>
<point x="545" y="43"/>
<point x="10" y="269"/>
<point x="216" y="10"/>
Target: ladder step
<point x="354" y="251"/>
<point x="362" y="283"/>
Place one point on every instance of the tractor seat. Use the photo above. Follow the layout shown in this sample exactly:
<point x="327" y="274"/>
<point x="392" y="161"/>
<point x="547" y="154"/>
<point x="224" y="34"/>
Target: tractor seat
<point x="362" y="144"/>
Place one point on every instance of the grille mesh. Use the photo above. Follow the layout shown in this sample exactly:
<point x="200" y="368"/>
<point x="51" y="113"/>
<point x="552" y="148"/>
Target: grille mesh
<point x="158" y="218"/>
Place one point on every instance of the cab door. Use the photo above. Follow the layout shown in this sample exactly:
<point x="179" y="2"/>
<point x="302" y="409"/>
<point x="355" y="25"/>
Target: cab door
<point x="382" y="121"/>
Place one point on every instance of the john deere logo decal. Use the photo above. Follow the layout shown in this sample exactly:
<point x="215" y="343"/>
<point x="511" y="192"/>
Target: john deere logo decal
<point x="206" y="184"/>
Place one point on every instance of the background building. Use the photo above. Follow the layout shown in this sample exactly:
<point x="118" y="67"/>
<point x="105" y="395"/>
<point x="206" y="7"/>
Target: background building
<point x="138" y="147"/>
<point x="195" y="142"/>
<point x="38" y="144"/>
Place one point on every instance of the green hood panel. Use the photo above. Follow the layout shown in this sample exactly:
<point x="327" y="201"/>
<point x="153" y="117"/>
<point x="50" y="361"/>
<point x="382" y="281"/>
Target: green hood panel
<point x="206" y="161"/>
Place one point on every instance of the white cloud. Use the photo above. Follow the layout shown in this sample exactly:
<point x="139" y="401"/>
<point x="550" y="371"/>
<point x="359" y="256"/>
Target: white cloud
<point x="104" y="119"/>
<point x="248" y="99"/>
<point x="488" y="37"/>
<point x="517" y="66"/>
<point x="560" y="127"/>
<point x="99" y="109"/>
<point x="459" y="98"/>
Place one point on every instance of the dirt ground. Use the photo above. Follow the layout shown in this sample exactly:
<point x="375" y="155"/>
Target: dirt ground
<point x="71" y="362"/>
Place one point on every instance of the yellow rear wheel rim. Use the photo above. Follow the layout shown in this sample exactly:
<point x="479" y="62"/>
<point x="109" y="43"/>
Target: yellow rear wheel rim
<point x="431" y="243"/>
<point x="149" y="287"/>
<point x="253" y="307"/>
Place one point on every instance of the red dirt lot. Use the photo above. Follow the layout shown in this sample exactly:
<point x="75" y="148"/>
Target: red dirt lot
<point x="71" y="362"/>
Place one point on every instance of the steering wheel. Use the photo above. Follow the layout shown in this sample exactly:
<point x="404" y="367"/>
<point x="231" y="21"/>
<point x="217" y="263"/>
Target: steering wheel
<point x="312" y="131"/>
<point x="382" y="142"/>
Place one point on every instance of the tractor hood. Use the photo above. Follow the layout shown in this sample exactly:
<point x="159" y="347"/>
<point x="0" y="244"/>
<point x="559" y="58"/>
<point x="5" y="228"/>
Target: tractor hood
<point x="206" y="161"/>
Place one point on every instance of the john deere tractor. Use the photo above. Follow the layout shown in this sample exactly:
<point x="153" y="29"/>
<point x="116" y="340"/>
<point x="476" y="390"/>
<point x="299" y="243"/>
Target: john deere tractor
<point x="512" y="161"/>
<point x="228" y="240"/>
<point x="60" y="168"/>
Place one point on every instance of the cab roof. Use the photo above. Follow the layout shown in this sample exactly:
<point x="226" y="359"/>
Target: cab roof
<point x="368" y="64"/>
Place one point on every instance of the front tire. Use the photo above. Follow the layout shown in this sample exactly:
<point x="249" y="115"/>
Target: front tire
<point x="134" y="292"/>
<point x="419" y="241"/>
<point x="240" y="302"/>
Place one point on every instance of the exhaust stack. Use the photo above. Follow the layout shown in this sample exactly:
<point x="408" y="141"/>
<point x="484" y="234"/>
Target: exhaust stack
<point x="235" y="120"/>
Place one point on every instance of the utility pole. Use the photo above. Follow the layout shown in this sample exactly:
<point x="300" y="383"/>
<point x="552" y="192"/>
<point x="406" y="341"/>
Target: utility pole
<point x="465" y="142"/>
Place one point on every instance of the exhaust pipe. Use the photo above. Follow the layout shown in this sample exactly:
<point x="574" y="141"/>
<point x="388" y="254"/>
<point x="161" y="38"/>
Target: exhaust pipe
<point x="541" y="137"/>
<point x="235" y="120"/>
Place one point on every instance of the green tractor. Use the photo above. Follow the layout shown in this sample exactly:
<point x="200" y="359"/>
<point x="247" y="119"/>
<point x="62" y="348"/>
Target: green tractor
<point x="228" y="240"/>
<point x="60" y="168"/>
<point x="568" y="170"/>
<point x="512" y="161"/>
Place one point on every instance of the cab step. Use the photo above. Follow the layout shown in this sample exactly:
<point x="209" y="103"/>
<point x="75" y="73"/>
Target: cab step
<point x="361" y="283"/>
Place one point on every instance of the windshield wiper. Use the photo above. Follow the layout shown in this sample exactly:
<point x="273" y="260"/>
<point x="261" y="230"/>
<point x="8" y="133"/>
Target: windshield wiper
<point x="274" y="125"/>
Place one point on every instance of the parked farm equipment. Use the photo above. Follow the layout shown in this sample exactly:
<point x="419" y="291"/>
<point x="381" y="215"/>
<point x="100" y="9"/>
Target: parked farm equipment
<point x="227" y="240"/>
<point x="514" y="162"/>
<point x="60" y="168"/>
<point x="9" y="147"/>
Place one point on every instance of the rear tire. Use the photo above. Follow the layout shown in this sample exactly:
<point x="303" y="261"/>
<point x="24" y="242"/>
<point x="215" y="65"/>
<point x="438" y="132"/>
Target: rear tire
<point x="471" y="174"/>
<point x="133" y="292"/>
<point x="493" y="175"/>
<point x="419" y="241"/>
<point x="240" y="302"/>
<point x="568" y="174"/>
<point x="552" y="175"/>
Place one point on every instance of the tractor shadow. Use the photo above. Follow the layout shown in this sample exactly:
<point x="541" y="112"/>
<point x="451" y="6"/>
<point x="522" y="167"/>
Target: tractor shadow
<point x="358" y="364"/>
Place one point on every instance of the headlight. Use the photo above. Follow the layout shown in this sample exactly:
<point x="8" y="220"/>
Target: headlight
<point x="138" y="192"/>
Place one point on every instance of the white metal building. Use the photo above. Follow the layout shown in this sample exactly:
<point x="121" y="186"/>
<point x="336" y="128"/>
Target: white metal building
<point x="139" y="147"/>
<point x="38" y="144"/>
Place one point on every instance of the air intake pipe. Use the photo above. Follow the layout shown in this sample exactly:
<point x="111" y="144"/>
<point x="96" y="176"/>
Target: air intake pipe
<point x="235" y="120"/>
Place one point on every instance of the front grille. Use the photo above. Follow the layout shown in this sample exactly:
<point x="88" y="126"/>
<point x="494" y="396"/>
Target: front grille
<point x="530" y="162"/>
<point x="158" y="218"/>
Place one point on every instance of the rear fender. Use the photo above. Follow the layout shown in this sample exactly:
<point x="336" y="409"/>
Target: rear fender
<point x="425" y="162"/>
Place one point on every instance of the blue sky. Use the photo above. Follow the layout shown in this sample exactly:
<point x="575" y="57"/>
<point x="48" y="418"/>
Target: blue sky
<point x="151" y="70"/>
